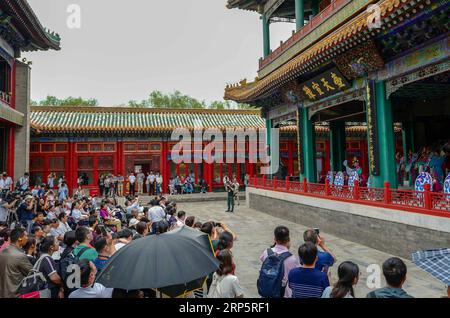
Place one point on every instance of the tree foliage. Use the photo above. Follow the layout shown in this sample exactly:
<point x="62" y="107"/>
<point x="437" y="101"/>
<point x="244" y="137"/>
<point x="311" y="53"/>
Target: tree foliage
<point x="158" y="99"/>
<point x="69" y="101"/>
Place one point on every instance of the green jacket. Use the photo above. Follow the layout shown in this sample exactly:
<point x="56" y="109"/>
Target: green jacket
<point x="389" y="292"/>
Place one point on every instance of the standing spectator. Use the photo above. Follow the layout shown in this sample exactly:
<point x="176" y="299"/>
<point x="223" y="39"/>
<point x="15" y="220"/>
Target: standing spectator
<point x="5" y="238"/>
<point x="348" y="273"/>
<point x="63" y="192"/>
<point x="326" y="259"/>
<point x="225" y="284"/>
<point x="236" y="190"/>
<point x="147" y="184"/>
<point x="132" y="181"/>
<point x="120" y="181"/>
<point x="14" y="264"/>
<point x="84" y="250"/>
<point x="24" y="182"/>
<point x="159" y="183"/>
<point x="51" y="180"/>
<point x="79" y="193"/>
<point x="6" y="184"/>
<point x="89" y="289"/>
<point x="281" y="247"/>
<point x="101" y="184"/>
<point x="140" y="181"/>
<point x="307" y="281"/>
<point x="230" y="197"/>
<point x="106" y="184"/>
<point x="394" y="271"/>
<point x="47" y="266"/>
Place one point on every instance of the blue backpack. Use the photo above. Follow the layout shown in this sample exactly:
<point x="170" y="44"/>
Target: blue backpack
<point x="271" y="275"/>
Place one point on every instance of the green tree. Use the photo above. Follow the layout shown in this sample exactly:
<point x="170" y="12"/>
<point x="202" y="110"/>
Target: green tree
<point x="158" y="99"/>
<point x="69" y="101"/>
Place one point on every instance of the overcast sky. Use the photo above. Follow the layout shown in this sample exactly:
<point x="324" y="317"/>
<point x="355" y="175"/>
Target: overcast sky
<point x="126" y="49"/>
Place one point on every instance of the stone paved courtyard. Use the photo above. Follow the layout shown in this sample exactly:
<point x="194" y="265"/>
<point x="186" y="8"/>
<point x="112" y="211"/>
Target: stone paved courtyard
<point x="255" y="233"/>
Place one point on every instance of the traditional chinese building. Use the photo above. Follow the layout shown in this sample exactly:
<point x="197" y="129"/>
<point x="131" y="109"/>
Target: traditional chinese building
<point x="348" y="64"/>
<point x="74" y="141"/>
<point x="20" y="31"/>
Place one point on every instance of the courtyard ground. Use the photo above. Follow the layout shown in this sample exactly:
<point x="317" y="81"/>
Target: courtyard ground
<point x="255" y="234"/>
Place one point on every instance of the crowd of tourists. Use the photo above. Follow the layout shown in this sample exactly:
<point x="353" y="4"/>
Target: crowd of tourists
<point x="45" y="231"/>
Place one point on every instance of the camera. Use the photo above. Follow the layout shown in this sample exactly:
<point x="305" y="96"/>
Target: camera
<point x="317" y="231"/>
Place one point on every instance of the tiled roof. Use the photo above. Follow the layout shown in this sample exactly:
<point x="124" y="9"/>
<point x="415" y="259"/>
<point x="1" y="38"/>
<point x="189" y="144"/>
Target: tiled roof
<point x="125" y="119"/>
<point x="308" y="59"/>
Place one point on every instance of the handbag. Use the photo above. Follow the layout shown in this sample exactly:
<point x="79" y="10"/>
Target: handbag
<point x="215" y="290"/>
<point x="35" y="284"/>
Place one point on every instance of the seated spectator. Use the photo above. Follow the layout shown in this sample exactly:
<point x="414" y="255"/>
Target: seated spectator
<point x="105" y="249"/>
<point x="84" y="250"/>
<point x="190" y="220"/>
<point x="326" y="259"/>
<point x="394" y="271"/>
<point x="198" y="225"/>
<point x="39" y="219"/>
<point x="181" y="218"/>
<point x="348" y="273"/>
<point x="161" y="227"/>
<point x="282" y="244"/>
<point x="48" y="267"/>
<point x="5" y="238"/>
<point x="125" y="237"/>
<point x="307" y="281"/>
<point x="108" y="219"/>
<point x="30" y="249"/>
<point x="141" y="229"/>
<point x="89" y="289"/>
<point x="225" y="284"/>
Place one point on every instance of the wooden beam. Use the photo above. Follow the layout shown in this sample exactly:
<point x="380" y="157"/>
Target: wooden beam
<point x="271" y="6"/>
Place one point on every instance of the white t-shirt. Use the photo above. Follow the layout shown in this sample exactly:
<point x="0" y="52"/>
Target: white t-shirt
<point x="225" y="287"/>
<point x="156" y="214"/>
<point x="76" y="214"/>
<point x="96" y="291"/>
<point x="132" y="179"/>
<point x="119" y="245"/>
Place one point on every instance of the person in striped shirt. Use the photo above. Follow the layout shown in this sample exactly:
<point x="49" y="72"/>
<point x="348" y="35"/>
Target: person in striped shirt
<point x="307" y="281"/>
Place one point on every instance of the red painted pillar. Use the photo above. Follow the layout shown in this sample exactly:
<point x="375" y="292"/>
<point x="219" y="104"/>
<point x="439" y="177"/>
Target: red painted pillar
<point x="387" y="193"/>
<point x="72" y="168"/>
<point x="327" y="187"/>
<point x="166" y="167"/>
<point x="210" y="176"/>
<point x="291" y="158"/>
<point x="11" y="139"/>
<point x="427" y="197"/>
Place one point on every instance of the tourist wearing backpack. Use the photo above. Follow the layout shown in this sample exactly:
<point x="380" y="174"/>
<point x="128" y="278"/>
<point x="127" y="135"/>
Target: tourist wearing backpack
<point x="277" y="263"/>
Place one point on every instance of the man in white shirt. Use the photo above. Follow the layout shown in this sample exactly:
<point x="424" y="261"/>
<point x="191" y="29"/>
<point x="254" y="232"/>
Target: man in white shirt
<point x="89" y="289"/>
<point x="181" y="217"/>
<point x="125" y="237"/>
<point x="132" y="180"/>
<point x="152" y="183"/>
<point x="156" y="212"/>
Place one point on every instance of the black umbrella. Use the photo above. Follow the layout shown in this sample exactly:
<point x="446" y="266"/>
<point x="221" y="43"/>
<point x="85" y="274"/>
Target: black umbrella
<point x="175" y="263"/>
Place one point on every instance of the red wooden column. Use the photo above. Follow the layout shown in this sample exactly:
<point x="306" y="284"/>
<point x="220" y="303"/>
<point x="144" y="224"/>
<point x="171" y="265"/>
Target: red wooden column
<point x="165" y="167"/>
<point x="11" y="139"/>
<point x="209" y="167"/>
<point x="73" y="167"/>
<point x="291" y="158"/>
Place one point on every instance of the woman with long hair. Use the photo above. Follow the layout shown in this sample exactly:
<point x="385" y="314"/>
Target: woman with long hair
<point x="225" y="284"/>
<point x="348" y="273"/>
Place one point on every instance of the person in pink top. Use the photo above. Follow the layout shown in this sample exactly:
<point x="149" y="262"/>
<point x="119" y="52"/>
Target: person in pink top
<point x="109" y="219"/>
<point x="282" y="245"/>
